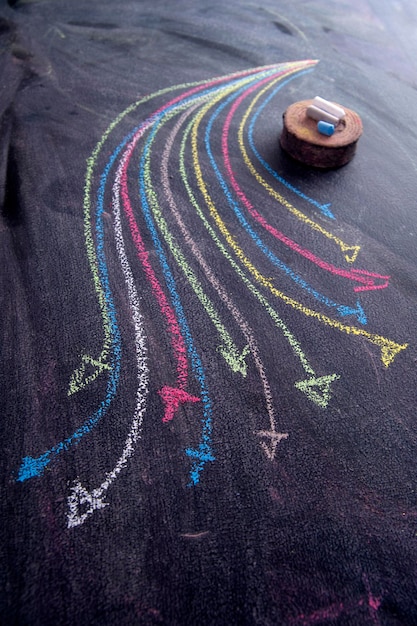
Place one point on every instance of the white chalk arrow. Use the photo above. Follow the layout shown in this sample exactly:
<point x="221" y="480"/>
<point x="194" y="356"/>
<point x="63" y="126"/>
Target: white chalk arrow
<point x="274" y="439"/>
<point x="81" y="502"/>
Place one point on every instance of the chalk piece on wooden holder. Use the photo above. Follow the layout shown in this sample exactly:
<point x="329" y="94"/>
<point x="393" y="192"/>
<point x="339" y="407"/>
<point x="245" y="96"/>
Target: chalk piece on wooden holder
<point x="329" y="107"/>
<point x="301" y="139"/>
<point x="321" y="116"/>
<point x="325" y="128"/>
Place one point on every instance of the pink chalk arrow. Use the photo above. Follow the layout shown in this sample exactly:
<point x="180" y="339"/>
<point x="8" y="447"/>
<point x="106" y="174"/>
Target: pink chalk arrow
<point x="173" y="397"/>
<point x="368" y="278"/>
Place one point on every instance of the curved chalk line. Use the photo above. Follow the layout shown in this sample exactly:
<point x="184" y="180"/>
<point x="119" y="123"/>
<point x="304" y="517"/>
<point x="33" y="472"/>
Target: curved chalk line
<point x="245" y="328"/>
<point x="341" y="309"/>
<point x="35" y="466"/>
<point x="316" y="388"/>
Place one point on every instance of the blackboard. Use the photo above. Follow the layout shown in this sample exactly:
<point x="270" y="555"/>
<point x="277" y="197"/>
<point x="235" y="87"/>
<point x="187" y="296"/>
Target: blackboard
<point x="208" y="348"/>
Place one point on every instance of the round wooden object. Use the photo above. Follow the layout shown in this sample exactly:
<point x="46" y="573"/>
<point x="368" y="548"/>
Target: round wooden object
<point x="301" y="139"/>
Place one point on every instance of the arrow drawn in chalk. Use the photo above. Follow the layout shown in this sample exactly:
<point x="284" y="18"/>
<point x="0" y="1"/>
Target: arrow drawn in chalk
<point x="173" y="397"/>
<point x="80" y="378"/>
<point x="318" y="388"/>
<point x="112" y="352"/>
<point x="368" y="280"/>
<point x="81" y="502"/>
<point x="274" y="436"/>
<point x="274" y="439"/>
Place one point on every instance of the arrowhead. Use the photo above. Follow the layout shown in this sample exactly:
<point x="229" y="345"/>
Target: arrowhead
<point x="82" y="503"/>
<point x="369" y="280"/>
<point x="359" y="313"/>
<point x="201" y="456"/>
<point x="353" y="252"/>
<point x="318" y="389"/>
<point x="173" y="397"/>
<point x="88" y="371"/>
<point x="326" y="210"/>
<point x="235" y="359"/>
<point x="370" y="286"/>
<point x="389" y="350"/>
<point x="275" y="438"/>
<point x="32" y="467"/>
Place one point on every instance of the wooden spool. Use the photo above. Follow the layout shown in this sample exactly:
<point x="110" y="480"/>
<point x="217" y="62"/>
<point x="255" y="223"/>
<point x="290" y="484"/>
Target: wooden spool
<point x="301" y="139"/>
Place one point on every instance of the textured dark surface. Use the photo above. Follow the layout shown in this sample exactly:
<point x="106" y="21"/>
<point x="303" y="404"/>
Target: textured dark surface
<point x="107" y="325"/>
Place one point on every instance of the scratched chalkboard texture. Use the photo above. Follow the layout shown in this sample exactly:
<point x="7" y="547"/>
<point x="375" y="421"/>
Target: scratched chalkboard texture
<point x="208" y="388"/>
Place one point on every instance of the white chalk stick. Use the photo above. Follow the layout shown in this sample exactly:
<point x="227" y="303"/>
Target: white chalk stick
<point x="320" y="115"/>
<point x="329" y="107"/>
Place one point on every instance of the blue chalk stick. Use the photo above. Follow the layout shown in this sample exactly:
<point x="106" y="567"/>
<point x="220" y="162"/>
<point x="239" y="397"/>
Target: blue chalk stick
<point x="325" y="128"/>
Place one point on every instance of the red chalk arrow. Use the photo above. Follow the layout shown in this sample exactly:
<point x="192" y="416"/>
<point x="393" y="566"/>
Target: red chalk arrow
<point x="173" y="397"/>
<point x="368" y="278"/>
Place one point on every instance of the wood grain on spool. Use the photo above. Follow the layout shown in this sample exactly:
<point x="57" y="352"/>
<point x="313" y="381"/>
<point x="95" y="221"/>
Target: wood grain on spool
<point x="301" y="139"/>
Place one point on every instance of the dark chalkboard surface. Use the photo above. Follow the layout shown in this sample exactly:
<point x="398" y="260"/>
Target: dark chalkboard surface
<point x="208" y="377"/>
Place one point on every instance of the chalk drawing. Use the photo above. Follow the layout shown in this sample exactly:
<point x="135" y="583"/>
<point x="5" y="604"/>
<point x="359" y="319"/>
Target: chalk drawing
<point x="389" y="348"/>
<point x="319" y="389"/>
<point x="271" y="434"/>
<point x="176" y="337"/>
<point x="81" y="502"/>
<point x="350" y="251"/>
<point x="364" y="277"/>
<point x="231" y="353"/>
<point x="341" y="309"/>
<point x="142" y="214"/>
<point x="109" y="359"/>
<point x="34" y="466"/>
